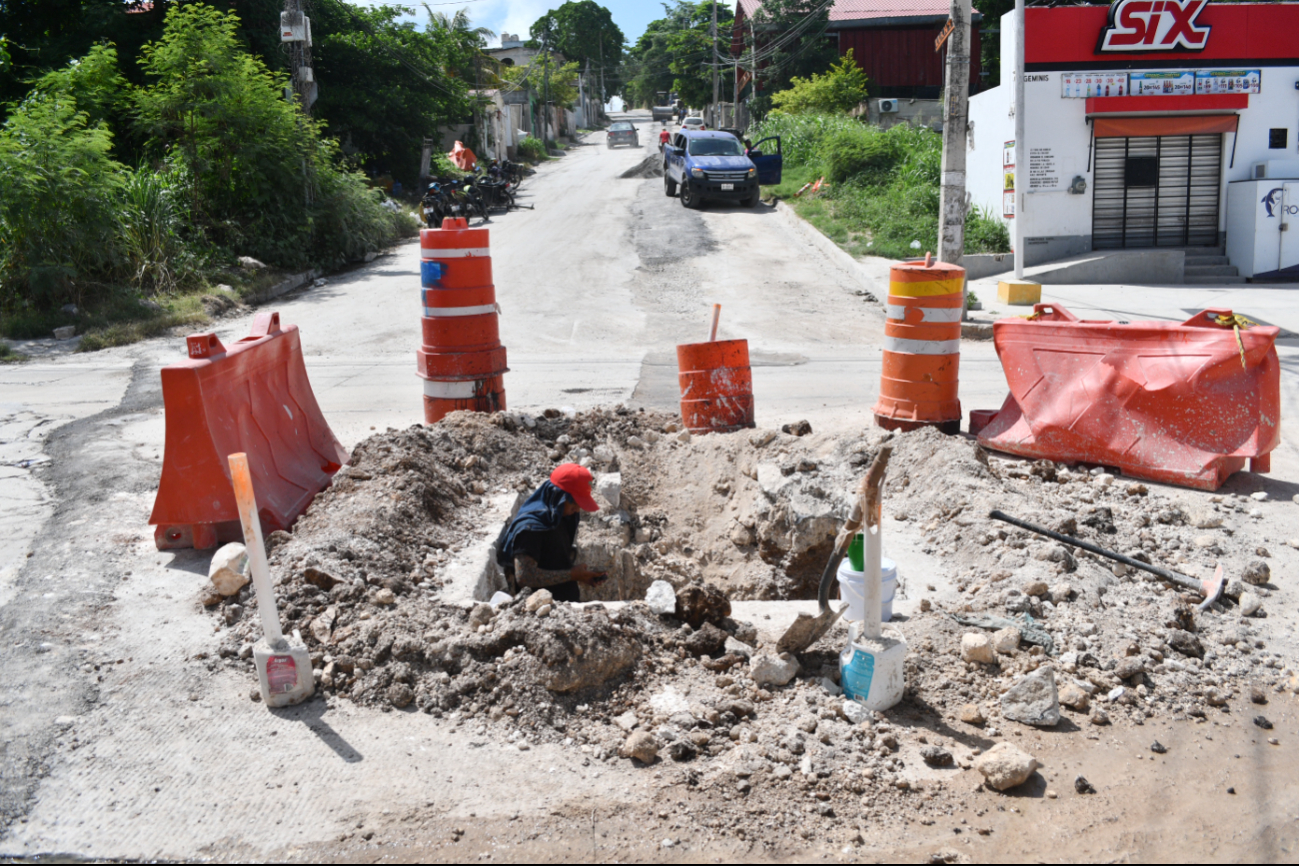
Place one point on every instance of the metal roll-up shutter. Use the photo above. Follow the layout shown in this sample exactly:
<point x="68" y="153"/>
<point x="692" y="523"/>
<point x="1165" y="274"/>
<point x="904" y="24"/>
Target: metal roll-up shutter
<point x="1156" y="191"/>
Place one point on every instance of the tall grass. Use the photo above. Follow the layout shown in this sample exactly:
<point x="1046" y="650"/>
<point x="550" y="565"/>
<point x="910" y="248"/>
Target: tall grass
<point x="883" y="197"/>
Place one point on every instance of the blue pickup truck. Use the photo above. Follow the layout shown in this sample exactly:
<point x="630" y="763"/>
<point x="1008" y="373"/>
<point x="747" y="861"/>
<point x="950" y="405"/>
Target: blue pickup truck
<point x="713" y="165"/>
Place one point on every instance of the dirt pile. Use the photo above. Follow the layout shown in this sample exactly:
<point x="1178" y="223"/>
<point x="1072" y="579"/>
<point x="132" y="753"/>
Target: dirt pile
<point x="651" y="166"/>
<point x="753" y="514"/>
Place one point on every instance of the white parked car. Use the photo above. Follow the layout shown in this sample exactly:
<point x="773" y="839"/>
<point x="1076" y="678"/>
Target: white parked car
<point x="694" y="123"/>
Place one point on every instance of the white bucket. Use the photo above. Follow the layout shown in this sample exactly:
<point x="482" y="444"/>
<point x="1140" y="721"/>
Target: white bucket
<point x="852" y="589"/>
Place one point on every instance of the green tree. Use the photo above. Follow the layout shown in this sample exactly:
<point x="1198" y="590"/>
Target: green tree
<point x="584" y="32"/>
<point x="790" y="42"/>
<point x="839" y="90"/>
<point x="386" y="86"/>
<point x="676" y="52"/>
<point x="260" y="177"/>
<point x="563" y="79"/>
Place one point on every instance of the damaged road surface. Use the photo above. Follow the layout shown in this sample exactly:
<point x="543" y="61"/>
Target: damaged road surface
<point x="1053" y="700"/>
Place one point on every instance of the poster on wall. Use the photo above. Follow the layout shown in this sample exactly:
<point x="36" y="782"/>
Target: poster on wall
<point x="1162" y="83"/>
<point x="1008" y="180"/>
<point x="1228" y="81"/>
<point x="1084" y="85"/>
<point x="1043" y="170"/>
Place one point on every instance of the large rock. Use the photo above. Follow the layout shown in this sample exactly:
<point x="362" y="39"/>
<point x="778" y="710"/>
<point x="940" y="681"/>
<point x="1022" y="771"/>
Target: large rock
<point x="640" y="745"/>
<point x="978" y="647"/>
<point x="1004" y="766"/>
<point x="229" y="569"/>
<point x="577" y="649"/>
<point x="1033" y="700"/>
<point x="538" y="599"/>
<point x="609" y="488"/>
<point x="707" y="640"/>
<point x="767" y="669"/>
<point x="661" y="598"/>
<point x="1257" y="573"/>
<point x="699" y="603"/>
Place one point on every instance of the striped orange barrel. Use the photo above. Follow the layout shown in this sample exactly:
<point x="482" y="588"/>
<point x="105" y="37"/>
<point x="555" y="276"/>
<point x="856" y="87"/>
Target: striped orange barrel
<point x="461" y="359"/>
<point x="716" y="386"/>
<point x="922" y="348"/>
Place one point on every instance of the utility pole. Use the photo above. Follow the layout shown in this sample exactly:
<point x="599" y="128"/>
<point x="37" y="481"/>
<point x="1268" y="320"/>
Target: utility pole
<point x="735" y="88"/>
<point x="603" y="93"/>
<point x="951" y="232"/>
<point x="715" y="83"/>
<point x="581" y="95"/>
<point x="295" y="31"/>
<point x="545" y="92"/>
<point x="1021" y="152"/>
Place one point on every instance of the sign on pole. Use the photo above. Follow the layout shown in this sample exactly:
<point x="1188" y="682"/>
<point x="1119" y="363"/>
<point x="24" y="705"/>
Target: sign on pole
<point x="942" y="36"/>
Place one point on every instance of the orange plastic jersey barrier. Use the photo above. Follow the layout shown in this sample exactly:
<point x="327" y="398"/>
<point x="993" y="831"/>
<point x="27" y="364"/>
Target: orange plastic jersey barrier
<point x="1185" y="403"/>
<point x="716" y="386"/>
<point x="253" y="397"/>
<point x="919" y="383"/>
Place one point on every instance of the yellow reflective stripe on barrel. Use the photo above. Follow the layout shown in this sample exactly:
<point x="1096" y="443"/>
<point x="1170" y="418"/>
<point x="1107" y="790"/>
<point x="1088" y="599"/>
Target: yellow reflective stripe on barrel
<point x="925" y="290"/>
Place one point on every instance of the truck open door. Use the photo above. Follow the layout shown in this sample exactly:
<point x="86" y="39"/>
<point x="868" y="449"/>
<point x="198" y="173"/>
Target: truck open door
<point x="769" y="164"/>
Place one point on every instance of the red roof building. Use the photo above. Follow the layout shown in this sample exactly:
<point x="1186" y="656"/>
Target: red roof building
<point x="891" y="40"/>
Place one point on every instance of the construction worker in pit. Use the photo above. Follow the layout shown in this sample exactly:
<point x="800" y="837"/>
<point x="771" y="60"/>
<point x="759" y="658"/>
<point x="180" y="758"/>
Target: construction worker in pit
<point x="537" y="548"/>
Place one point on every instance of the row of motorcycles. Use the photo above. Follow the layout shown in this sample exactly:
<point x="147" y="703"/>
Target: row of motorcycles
<point x="476" y="195"/>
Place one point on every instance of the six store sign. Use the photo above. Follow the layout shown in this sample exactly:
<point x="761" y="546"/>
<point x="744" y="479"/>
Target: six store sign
<point x="1154" y="25"/>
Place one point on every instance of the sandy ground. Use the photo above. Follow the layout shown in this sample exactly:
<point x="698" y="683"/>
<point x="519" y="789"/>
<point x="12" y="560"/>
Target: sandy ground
<point x="118" y="741"/>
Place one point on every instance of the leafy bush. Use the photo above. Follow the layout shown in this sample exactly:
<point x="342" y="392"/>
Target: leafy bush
<point x="841" y="89"/>
<point x="802" y="135"/>
<point x="532" y="149"/>
<point x="884" y="184"/>
<point x="58" y="219"/>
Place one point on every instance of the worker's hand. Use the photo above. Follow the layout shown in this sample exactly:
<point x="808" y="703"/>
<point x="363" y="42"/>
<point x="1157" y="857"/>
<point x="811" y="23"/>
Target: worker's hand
<point x="582" y="574"/>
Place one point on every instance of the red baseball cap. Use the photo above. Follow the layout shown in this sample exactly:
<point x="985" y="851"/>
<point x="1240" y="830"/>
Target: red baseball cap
<point x="576" y="482"/>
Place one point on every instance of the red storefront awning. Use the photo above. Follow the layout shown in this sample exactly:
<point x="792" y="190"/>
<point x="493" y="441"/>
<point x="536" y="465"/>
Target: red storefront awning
<point x="1138" y="127"/>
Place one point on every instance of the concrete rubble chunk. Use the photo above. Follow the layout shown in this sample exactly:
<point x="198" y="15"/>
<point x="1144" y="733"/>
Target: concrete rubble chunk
<point x="229" y="569"/>
<point x="1033" y="700"/>
<point x="971" y="715"/>
<point x="768" y="669"/>
<point x="627" y="721"/>
<point x="1006" y="641"/>
<point x="1257" y="573"/>
<point x="642" y="746"/>
<point x="609" y="488"/>
<point x="738" y="647"/>
<point x="1250" y="603"/>
<point x="854" y="712"/>
<point x="661" y="598"/>
<point x="1072" y="696"/>
<point x="1004" y="766"/>
<point x="978" y="647"/>
<point x="537" y="599"/>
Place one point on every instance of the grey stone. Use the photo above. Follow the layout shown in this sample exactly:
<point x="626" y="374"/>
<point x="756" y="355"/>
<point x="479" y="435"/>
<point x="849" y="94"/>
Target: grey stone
<point x="1257" y="573"/>
<point x="1004" y="766"/>
<point x="640" y="745"/>
<point x="661" y="598"/>
<point x="537" y="599"/>
<point x="229" y="569"/>
<point x="768" y="669"/>
<point x="936" y="756"/>
<point x="854" y="712"/>
<point x="1250" y="604"/>
<point x="739" y="648"/>
<point x="609" y="488"/>
<point x="1033" y="700"/>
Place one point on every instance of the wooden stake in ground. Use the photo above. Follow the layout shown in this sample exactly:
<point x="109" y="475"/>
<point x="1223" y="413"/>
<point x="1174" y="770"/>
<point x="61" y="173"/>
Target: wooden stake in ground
<point x="717" y="314"/>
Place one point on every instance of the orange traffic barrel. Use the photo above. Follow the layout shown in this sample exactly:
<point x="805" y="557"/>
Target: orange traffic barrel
<point x="461" y="359"/>
<point x="716" y="386"/>
<point x="922" y="348"/>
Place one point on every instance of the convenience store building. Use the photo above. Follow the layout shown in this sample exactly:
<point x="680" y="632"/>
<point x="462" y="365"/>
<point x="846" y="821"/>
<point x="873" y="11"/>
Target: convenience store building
<point x="1149" y="124"/>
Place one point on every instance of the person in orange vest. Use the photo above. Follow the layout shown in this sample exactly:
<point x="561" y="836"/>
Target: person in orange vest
<point x="537" y="548"/>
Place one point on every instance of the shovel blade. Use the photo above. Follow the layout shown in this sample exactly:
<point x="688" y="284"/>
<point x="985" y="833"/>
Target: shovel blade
<point x="806" y="630"/>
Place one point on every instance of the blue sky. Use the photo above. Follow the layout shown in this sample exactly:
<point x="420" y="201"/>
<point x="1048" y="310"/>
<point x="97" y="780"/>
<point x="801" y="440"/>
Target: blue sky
<point x="516" y="16"/>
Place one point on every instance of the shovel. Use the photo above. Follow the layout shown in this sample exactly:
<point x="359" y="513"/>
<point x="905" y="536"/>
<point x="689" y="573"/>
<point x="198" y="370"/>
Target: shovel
<point x="807" y="629"/>
<point x="1211" y="589"/>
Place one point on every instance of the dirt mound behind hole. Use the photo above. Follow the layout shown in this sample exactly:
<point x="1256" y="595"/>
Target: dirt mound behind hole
<point x="650" y="166"/>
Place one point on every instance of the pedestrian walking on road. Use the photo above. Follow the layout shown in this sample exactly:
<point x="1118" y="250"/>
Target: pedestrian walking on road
<point x="537" y="548"/>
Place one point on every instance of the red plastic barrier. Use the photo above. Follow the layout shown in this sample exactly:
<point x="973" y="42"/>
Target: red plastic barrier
<point x="252" y="397"/>
<point x="1159" y="401"/>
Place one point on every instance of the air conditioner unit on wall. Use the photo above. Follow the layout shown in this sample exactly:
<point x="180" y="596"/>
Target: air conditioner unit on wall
<point x="888" y="106"/>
